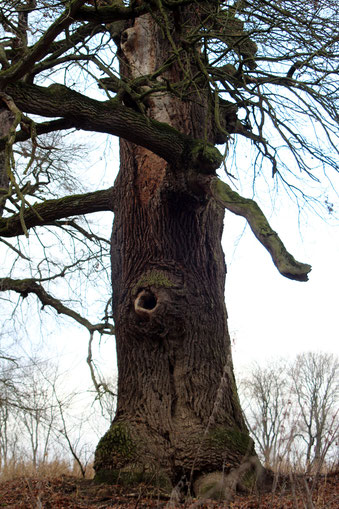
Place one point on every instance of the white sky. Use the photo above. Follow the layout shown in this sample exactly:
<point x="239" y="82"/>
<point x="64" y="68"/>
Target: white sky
<point x="270" y="315"/>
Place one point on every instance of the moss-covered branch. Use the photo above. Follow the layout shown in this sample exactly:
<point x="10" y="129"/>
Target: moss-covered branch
<point x="249" y="209"/>
<point x="112" y="117"/>
<point x="50" y="210"/>
<point x="26" y="286"/>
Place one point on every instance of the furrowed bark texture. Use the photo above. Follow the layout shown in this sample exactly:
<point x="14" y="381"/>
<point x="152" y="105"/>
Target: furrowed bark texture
<point x="6" y="121"/>
<point x="178" y="411"/>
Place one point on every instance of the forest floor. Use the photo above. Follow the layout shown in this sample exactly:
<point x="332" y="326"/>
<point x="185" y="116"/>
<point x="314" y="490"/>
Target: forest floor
<point x="67" y="492"/>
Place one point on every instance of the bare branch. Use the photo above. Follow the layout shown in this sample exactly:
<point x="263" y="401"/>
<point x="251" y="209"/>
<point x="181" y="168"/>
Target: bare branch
<point x="42" y="128"/>
<point x="41" y="48"/>
<point x="100" y="386"/>
<point x="26" y="286"/>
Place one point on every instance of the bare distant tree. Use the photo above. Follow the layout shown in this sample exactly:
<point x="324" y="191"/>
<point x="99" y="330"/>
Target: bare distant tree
<point x="37" y="408"/>
<point x="267" y="407"/>
<point x="291" y="409"/>
<point x="8" y="408"/>
<point x="315" y="383"/>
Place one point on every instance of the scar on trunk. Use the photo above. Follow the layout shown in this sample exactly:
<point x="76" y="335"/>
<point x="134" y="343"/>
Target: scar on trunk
<point x="150" y="173"/>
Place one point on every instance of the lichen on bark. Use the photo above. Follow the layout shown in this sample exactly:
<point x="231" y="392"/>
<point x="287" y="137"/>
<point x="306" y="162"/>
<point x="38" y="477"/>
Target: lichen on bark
<point x="156" y="278"/>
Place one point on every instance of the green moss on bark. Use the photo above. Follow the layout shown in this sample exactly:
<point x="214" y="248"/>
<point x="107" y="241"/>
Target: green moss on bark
<point x="155" y="278"/>
<point x="119" y="458"/>
<point x="115" y="447"/>
<point x="232" y="440"/>
<point x="205" y="156"/>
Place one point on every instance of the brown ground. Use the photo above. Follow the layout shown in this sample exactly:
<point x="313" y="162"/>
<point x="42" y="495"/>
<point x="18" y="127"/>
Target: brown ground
<point x="67" y="492"/>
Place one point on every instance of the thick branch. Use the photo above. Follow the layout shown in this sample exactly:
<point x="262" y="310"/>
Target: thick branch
<point x="109" y="117"/>
<point x="110" y="13"/>
<point x="112" y="117"/>
<point x="26" y="286"/>
<point x="51" y="210"/>
<point x="284" y="261"/>
<point x="117" y="12"/>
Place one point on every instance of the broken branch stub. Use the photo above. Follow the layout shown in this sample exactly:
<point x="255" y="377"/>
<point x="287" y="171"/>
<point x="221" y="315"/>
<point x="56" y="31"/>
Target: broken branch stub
<point x="250" y="210"/>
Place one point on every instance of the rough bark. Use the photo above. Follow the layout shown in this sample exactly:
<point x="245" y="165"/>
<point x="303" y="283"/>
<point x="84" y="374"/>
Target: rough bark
<point x="178" y="412"/>
<point x="6" y="121"/>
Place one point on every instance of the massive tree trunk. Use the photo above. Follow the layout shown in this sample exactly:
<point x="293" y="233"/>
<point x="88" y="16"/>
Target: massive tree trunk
<point x="178" y="412"/>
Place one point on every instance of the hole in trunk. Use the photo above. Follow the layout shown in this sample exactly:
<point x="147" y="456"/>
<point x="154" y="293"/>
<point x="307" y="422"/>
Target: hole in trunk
<point x="147" y="300"/>
<point x="145" y="303"/>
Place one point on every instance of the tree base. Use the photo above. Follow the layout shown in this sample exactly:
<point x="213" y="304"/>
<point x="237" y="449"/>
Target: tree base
<point x="250" y="477"/>
<point x="213" y="464"/>
<point x="134" y="476"/>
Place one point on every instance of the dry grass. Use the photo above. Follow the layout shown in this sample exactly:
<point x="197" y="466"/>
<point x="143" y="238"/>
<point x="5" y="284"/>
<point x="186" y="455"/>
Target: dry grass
<point x="56" y="467"/>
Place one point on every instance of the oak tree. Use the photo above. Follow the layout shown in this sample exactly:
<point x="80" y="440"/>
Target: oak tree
<point x="173" y="79"/>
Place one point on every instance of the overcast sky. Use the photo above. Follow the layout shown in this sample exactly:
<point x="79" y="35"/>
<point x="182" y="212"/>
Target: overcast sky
<point x="270" y="315"/>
